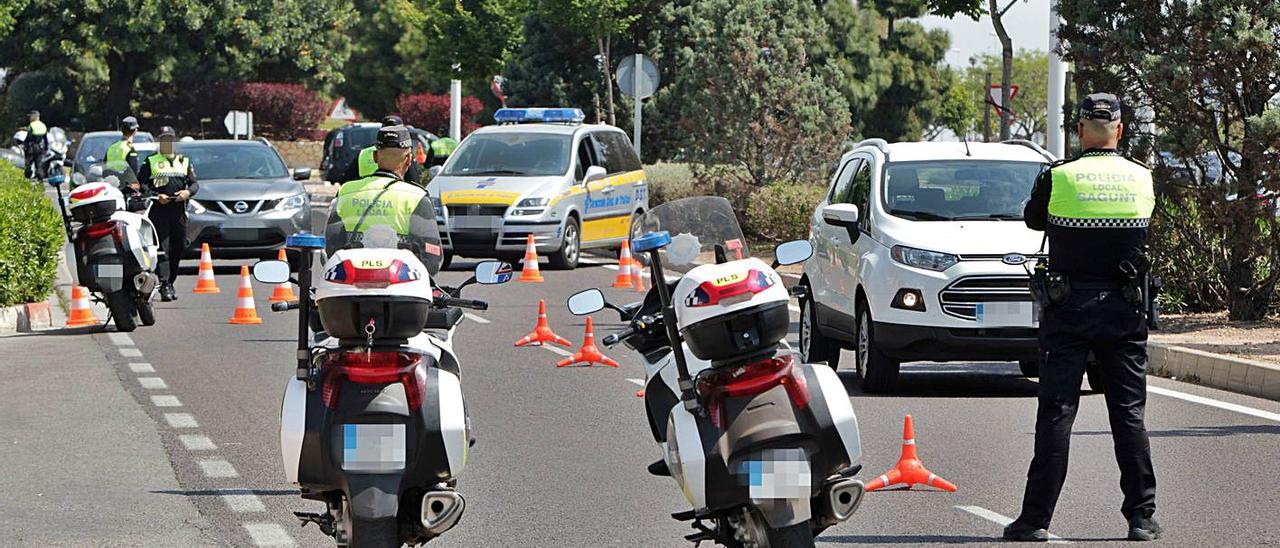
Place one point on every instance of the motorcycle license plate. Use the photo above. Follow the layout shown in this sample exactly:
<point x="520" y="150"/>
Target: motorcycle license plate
<point x="778" y="474"/>
<point x="1007" y="314"/>
<point x="373" y="447"/>
<point x="109" y="271"/>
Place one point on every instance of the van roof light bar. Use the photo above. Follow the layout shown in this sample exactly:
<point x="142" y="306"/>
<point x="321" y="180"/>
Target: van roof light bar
<point x="539" y="116"/>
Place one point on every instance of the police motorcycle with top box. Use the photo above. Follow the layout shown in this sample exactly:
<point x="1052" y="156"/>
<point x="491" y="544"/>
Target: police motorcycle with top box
<point x="539" y="172"/>
<point x="763" y="446"/>
<point x="373" y="422"/>
<point x="113" y="248"/>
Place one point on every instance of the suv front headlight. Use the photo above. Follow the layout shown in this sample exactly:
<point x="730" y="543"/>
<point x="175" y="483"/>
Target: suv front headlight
<point x="292" y="202"/>
<point x="920" y="258"/>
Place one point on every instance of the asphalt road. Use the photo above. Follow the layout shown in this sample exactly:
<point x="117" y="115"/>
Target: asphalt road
<point x="562" y="452"/>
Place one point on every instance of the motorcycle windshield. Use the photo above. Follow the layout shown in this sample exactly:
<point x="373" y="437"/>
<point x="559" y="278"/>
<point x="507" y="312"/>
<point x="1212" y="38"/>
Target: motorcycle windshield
<point x="700" y="227"/>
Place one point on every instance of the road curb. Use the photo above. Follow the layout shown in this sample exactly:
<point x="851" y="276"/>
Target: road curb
<point x="1238" y="375"/>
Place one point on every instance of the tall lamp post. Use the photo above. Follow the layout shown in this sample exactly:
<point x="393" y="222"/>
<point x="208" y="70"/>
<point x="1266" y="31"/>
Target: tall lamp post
<point x="1057" y="86"/>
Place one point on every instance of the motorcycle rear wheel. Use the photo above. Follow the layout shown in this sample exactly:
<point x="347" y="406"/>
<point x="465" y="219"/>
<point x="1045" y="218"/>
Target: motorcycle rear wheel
<point x="146" y="313"/>
<point x="799" y="535"/>
<point x="383" y="533"/>
<point x="121" y="306"/>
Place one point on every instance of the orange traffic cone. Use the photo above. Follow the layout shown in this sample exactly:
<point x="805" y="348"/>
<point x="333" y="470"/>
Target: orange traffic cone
<point x="246" y="313"/>
<point x="623" y="281"/>
<point x="529" y="271"/>
<point x="542" y="334"/>
<point x="283" y="292"/>
<point x="637" y="275"/>
<point x="81" y="313"/>
<point x="588" y="354"/>
<point x="909" y="470"/>
<point x="205" y="284"/>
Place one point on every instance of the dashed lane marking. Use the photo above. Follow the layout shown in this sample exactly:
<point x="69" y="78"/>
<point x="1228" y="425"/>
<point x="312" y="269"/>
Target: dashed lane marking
<point x="153" y="383"/>
<point x="165" y="401"/>
<point x="180" y="420"/>
<point x="1001" y="520"/>
<point x="268" y="534"/>
<point x="637" y="382"/>
<point x="195" y="442"/>
<point x="1215" y="403"/>
<point x="242" y="501"/>
<point x="130" y="352"/>
<point x="217" y="468"/>
<point x="555" y="350"/>
<point x="120" y="339"/>
<point x="141" y="367"/>
<point x="475" y="318"/>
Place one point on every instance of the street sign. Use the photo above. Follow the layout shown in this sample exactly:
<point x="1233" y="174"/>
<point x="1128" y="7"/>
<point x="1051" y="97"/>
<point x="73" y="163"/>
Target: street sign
<point x="341" y="111"/>
<point x="993" y="94"/>
<point x="638" y="84"/>
<point x="239" y="122"/>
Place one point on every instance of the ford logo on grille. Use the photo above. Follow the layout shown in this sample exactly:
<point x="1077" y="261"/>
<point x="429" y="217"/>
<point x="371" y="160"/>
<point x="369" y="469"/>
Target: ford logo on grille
<point x="240" y="207"/>
<point x="1014" y="259"/>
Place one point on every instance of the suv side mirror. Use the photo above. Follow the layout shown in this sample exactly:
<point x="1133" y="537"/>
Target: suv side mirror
<point x="594" y="173"/>
<point x="302" y="174"/>
<point x="842" y="215"/>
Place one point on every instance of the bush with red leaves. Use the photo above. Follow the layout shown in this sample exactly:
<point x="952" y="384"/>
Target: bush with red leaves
<point x="431" y="112"/>
<point x="287" y="111"/>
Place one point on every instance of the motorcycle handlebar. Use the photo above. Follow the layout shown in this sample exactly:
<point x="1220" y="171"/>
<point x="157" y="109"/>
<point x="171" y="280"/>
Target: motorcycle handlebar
<point x="463" y="303"/>
<point x="620" y="336"/>
<point x="283" y="307"/>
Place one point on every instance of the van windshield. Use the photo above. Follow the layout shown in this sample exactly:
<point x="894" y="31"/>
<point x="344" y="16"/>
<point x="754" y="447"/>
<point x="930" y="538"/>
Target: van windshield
<point x="512" y="154"/>
<point x="959" y="190"/>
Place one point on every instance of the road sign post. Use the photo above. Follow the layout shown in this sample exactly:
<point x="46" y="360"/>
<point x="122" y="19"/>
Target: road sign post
<point x="638" y="78"/>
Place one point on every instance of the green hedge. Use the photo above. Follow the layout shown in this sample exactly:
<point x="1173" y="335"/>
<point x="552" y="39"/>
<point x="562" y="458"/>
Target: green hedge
<point x="781" y="211"/>
<point x="31" y="239"/>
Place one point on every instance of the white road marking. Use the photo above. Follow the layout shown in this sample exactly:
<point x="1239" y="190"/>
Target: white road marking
<point x="153" y="383"/>
<point x="475" y="318"/>
<point x="637" y="382"/>
<point x="131" y="352"/>
<point x="120" y="339"/>
<point x="194" y="442"/>
<point x="180" y="420"/>
<point x="1215" y="403"/>
<point x="165" y="401"/>
<point x="610" y="266"/>
<point x="268" y="534"/>
<point x="242" y="501"/>
<point x="1002" y="520"/>
<point x="217" y="468"/>
<point x="555" y="349"/>
<point x="141" y="367"/>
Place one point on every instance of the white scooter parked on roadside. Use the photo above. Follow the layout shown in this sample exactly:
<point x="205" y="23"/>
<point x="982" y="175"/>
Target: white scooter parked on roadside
<point x="373" y="422"/>
<point x="763" y="447"/>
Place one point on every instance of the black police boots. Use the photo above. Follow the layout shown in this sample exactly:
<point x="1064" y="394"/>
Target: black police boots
<point x="167" y="293"/>
<point x="1021" y="532"/>
<point x="1143" y="528"/>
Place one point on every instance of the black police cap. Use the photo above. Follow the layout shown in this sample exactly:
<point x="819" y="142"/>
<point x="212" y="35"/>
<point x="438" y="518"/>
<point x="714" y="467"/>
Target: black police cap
<point x="129" y="123"/>
<point x="394" y="137"/>
<point x="1100" y="106"/>
<point x="392" y="120"/>
<point x="34" y="113"/>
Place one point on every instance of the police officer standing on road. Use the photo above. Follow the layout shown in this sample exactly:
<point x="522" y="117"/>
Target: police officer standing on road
<point x="35" y="144"/>
<point x="122" y="159"/>
<point x="1095" y="211"/>
<point x="365" y="165"/>
<point x="171" y="178"/>
<point x="440" y="151"/>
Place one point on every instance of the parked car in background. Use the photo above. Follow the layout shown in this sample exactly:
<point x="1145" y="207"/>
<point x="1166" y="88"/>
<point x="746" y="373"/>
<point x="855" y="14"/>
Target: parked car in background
<point x="342" y="146"/>
<point x="921" y="254"/>
<point x="92" y="149"/>
<point x="248" y="201"/>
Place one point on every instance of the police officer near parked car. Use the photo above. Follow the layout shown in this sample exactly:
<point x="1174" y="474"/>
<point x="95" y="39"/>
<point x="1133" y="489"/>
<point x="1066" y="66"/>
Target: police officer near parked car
<point x="441" y="150"/>
<point x="1095" y="210"/>
<point x="365" y="165"/>
<point x="171" y="178"/>
<point x="121" y="159"/>
<point x="384" y="210"/>
<point x="35" y="144"/>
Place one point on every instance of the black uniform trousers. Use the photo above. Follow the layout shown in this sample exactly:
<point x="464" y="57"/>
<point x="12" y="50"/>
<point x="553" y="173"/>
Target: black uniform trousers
<point x="170" y="221"/>
<point x="1097" y="319"/>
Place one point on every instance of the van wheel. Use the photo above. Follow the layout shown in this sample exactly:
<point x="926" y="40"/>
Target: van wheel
<point x="814" y="346"/>
<point x="1030" y="368"/>
<point x="877" y="371"/>
<point x="566" y="258"/>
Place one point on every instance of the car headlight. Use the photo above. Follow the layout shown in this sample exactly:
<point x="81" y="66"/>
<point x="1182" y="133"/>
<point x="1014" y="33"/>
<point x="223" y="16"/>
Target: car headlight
<point x="534" y="202"/>
<point x="919" y="258"/>
<point x="293" y="202"/>
<point x="194" y="206"/>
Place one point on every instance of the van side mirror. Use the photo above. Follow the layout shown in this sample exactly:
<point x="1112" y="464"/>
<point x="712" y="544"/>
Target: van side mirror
<point x="594" y="173"/>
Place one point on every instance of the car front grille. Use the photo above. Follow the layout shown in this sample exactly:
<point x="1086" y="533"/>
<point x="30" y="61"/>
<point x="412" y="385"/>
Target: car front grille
<point x="229" y="206"/>
<point x="961" y="298"/>
<point x="477" y="210"/>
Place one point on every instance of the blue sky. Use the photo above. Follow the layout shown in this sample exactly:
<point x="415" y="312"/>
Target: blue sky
<point x="1027" y="22"/>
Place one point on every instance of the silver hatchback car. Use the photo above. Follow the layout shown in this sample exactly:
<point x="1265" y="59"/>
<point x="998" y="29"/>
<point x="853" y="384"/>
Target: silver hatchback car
<point x="248" y="201"/>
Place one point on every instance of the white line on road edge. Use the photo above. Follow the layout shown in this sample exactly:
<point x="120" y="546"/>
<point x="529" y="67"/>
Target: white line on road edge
<point x="637" y="382"/>
<point x="268" y="534"/>
<point x="475" y="318"/>
<point x="1215" y="403"/>
<point x="555" y="350"/>
<point x="242" y="501"/>
<point x="131" y="352"/>
<point x="180" y="420"/>
<point x="165" y="401"/>
<point x="1002" y="520"/>
<point x="141" y="367"/>
<point x="152" y="383"/>
<point x="217" y="468"/>
<point x="195" y="442"/>
<point x="120" y="339"/>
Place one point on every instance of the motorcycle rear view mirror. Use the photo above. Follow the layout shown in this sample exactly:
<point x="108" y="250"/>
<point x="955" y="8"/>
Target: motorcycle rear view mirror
<point x="793" y="252"/>
<point x="493" y="272"/>
<point x="586" y="302"/>
<point x="271" y="272"/>
<point x="78" y="179"/>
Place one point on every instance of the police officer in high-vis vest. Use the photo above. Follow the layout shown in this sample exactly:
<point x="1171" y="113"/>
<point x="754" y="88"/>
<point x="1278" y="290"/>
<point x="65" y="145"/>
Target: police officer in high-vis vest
<point x="35" y="144"/>
<point x="172" y="179"/>
<point x="364" y="165"/>
<point x="440" y="151"/>
<point x="384" y="210"/>
<point x="1095" y="211"/>
<point x="122" y="159"/>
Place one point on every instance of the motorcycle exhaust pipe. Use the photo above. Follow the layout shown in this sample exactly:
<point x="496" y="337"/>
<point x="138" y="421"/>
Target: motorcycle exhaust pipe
<point x="840" y="499"/>
<point x="145" y="282"/>
<point x="441" y="510"/>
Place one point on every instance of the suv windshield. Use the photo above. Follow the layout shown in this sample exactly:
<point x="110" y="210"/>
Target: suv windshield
<point x="519" y="154"/>
<point x="959" y="190"/>
<point x="234" y="161"/>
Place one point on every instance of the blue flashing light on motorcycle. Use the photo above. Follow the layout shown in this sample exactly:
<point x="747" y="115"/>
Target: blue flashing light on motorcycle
<point x="304" y="240"/>
<point x="651" y="241"/>
<point x="539" y="115"/>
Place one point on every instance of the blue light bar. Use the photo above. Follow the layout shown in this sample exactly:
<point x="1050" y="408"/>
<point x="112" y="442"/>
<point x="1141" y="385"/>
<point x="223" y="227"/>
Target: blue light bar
<point x="651" y="241"/>
<point x="538" y="115"/>
<point x="304" y="240"/>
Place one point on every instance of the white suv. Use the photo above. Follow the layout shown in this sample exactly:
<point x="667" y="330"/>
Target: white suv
<point x="920" y="254"/>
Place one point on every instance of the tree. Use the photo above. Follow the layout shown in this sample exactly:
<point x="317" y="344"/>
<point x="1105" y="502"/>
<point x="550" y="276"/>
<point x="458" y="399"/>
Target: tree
<point x="1207" y="72"/>
<point x="553" y="67"/>
<point x="602" y="20"/>
<point x="957" y="111"/>
<point x="1006" y="57"/>
<point x="747" y="95"/>
<point x="385" y="56"/>
<point x="852" y="46"/>
<point x="1031" y="75"/>
<point x="137" y="37"/>
<point x="910" y="103"/>
<point x="475" y="36"/>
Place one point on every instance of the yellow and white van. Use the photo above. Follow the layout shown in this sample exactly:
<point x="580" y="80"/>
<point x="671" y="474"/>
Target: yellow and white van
<point x="573" y="186"/>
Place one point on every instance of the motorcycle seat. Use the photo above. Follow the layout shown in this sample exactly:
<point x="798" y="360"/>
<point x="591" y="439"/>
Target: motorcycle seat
<point x="444" y="318"/>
